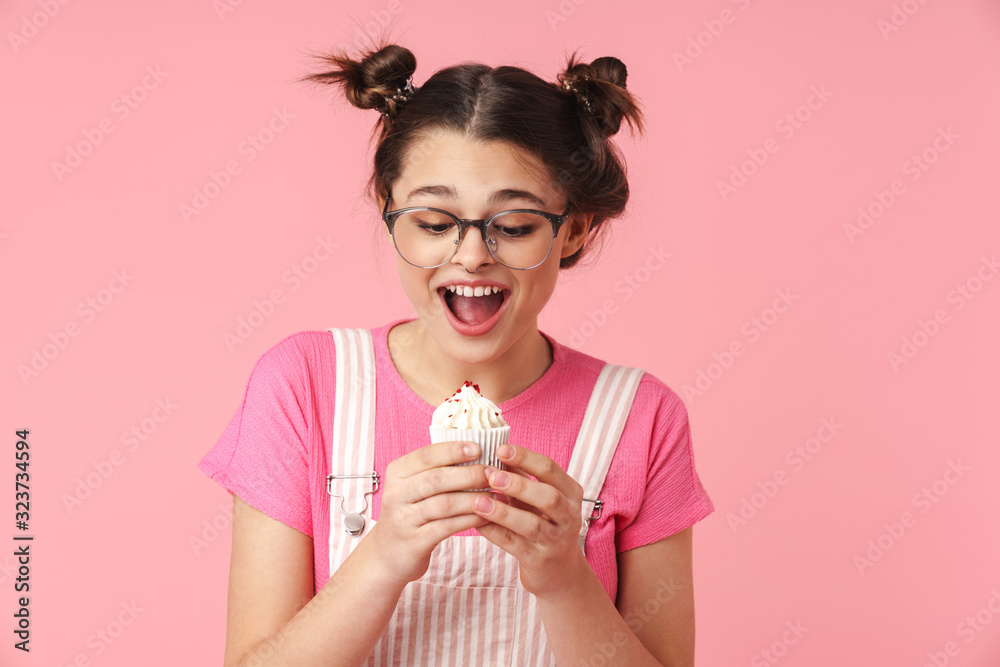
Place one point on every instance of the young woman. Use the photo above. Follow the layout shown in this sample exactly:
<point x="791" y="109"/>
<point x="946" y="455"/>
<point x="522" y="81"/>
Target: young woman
<point x="357" y="542"/>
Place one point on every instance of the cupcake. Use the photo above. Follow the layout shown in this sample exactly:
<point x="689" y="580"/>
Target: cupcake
<point x="468" y="416"/>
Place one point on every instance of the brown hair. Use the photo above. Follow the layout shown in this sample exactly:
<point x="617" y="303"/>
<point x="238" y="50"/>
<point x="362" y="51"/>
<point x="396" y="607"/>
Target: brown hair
<point x="566" y="125"/>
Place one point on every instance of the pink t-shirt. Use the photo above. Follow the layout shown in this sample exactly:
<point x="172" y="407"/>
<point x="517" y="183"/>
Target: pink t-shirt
<point x="274" y="454"/>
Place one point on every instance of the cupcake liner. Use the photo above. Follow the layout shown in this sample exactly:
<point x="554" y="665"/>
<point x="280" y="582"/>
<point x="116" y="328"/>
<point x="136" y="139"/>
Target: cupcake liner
<point x="488" y="439"/>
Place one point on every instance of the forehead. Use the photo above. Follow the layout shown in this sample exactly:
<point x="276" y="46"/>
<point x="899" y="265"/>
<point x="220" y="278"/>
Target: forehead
<point x="473" y="168"/>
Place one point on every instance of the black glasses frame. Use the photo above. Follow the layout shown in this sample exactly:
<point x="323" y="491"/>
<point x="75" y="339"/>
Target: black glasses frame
<point x="389" y="217"/>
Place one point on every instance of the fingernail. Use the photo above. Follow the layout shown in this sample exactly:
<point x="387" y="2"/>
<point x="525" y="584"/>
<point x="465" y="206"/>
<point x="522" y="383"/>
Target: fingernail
<point x="499" y="480"/>
<point x="471" y="450"/>
<point x="489" y="473"/>
<point x="484" y="504"/>
<point x="505" y="451"/>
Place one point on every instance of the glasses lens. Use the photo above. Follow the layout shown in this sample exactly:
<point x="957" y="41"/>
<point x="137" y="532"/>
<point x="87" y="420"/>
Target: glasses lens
<point x="430" y="238"/>
<point x="425" y="238"/>
<point x="520" y="240"/>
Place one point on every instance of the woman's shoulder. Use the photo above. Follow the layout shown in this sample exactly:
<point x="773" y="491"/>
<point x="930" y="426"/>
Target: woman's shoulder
<point x="651" y="388"/>
<point x="294" y="349"/>
<point x="311" y="351"/>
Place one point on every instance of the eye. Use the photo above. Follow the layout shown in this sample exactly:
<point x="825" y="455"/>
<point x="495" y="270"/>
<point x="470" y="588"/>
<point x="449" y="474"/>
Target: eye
<point x="426" y="223"/>
<point x="435" y="227"/>
<point x="519" y="231"/>
<point x="519" y="225"/>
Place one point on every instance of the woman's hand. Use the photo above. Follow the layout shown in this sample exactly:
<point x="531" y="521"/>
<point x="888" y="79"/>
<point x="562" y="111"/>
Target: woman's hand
<point x="422" y="504"/>
<point x="540" y="525"/>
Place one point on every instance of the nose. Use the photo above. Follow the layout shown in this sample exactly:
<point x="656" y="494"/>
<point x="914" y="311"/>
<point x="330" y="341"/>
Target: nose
<point x="472" y="250"/>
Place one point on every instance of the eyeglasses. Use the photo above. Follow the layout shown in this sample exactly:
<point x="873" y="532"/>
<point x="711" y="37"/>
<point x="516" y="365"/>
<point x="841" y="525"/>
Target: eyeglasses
<point x="429" y="237"/>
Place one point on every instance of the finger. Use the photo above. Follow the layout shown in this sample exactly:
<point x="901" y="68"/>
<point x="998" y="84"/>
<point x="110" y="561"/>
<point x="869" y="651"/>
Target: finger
<point x="445" y="506"/>
<point x="541" y="497"/>
<point x="498" y="495"/>
<point x="520" y="522"/>
<point x="434" y="456"/>
<point x="435" y="531"/>
<point x="540" y="467"/>
<point x="514" y="469"/>
<point x="431" y="482"/>
<point x="502" y="537"/>
<point x="513" y="502"/>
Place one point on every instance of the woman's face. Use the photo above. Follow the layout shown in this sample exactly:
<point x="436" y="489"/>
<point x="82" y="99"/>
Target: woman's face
<point x="474" y="180"/>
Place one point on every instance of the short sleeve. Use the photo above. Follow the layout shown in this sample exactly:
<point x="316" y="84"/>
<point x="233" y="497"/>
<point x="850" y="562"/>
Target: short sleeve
<point x="262" y="455"/>
<point x="673" y="498"/>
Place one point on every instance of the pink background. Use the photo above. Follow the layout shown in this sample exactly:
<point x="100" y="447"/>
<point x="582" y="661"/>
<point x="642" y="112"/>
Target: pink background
<point x="887" y="96"/>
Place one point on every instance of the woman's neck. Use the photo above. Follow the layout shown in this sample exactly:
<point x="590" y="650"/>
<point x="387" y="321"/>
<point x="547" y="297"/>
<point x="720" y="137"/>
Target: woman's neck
<point x="433" y="375"/>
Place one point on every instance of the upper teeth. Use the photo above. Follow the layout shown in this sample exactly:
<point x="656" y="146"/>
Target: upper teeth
<point x="479" y="290"/>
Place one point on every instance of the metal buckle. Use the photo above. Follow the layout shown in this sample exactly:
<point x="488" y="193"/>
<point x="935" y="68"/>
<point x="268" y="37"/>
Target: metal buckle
<point x="354" y="522"/>
<point x="594" y="514"/>
<point x="598" y="508"/>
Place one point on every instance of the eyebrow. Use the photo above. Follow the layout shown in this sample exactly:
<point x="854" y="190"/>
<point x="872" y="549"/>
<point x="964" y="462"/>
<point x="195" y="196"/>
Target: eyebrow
<point x="497" y="197"/>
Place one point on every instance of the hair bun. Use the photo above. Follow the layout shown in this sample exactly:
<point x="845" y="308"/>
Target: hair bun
<point x="610" y="69"/>
<point x="600" y="91"/>
<point x="380" y="80"/>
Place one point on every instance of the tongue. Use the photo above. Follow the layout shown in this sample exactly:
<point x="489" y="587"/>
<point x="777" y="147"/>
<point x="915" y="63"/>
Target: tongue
<point x="475" y="310"/>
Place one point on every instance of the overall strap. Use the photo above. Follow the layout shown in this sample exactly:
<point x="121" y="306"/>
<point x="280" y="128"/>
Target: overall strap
<point x="352" y="478"/>
<point x="603" y="423"/>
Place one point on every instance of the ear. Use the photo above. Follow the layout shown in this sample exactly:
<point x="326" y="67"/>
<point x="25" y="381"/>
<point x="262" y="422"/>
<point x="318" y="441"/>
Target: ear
<point x="579" y="226"/>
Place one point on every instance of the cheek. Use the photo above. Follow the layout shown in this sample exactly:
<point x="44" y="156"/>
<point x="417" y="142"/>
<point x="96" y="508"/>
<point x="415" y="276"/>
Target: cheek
<point x="416" y="287"/>
<point x="539" y="289"/>
<point x="414" y="283"/>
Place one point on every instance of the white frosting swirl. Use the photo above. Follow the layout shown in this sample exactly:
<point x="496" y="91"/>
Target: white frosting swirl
<point x="467" y="408"/>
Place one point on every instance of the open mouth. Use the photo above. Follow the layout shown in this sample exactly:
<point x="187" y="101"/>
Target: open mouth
<point x="474" y="306"/>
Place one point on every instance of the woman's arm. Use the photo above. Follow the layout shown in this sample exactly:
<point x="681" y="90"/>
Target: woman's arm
<point x="581" y="622"/>
<point x="271" y="618"/>
<point x="656" y="597"/>
<point x="654" y="620"/>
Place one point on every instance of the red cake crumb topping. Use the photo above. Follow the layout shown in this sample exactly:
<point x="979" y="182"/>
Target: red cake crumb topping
<point x="467" y="383"/>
